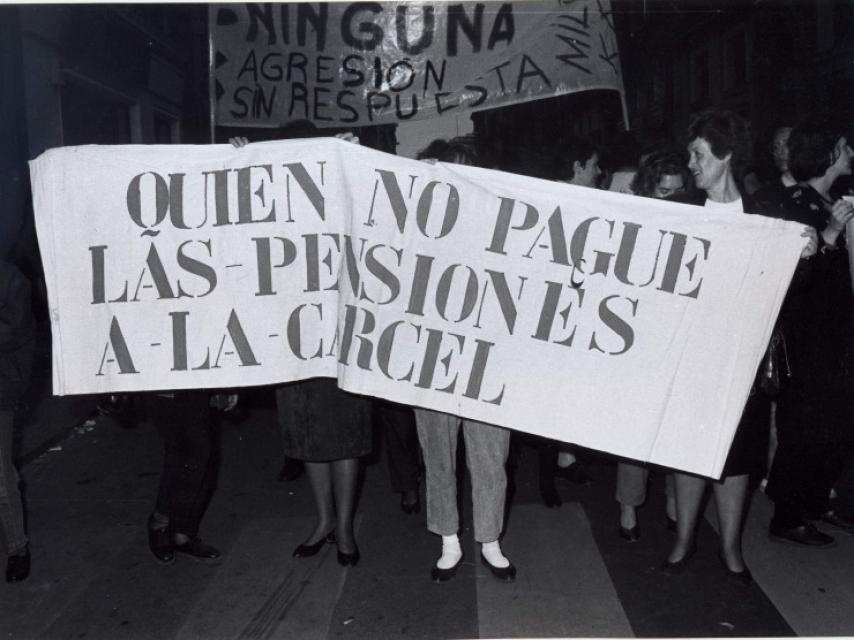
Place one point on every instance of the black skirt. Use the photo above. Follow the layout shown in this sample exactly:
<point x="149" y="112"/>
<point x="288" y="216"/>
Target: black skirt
<point x="320" y="422"/>
<point x="748" y="453"/>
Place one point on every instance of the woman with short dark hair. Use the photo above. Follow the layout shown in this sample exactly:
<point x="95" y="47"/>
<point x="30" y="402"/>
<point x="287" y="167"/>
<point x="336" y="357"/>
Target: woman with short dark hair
<point x="718" y="148"/>
<point x="815" y="414"/>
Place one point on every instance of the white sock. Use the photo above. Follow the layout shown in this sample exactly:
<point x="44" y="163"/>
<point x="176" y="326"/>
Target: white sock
<point x="451" y="552"/>
<point x="565" y="459"/>
<point x="492" y="552"/>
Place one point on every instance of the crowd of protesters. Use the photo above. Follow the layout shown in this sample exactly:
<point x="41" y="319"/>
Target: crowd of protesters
<point x="795" y="435"/>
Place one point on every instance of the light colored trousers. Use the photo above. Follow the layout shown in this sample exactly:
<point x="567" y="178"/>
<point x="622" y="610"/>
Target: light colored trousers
<point x="631" y="483"/>
<point x="487" y="447"/>
<point x="11" y="511"/>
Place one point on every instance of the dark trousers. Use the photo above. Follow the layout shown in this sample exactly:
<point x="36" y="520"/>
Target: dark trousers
<point x="397" y="424"/>
<point x="191" y="440"/>
<point x="801" y="478"/>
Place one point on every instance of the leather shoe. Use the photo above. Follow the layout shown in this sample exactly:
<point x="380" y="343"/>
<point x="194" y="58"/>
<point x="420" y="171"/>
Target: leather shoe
<point x="198" y="550"/>
<point x="18" y="567"/>
<point x="743" y="577"/>
<point x="351" y="559"/>
<point x="835" y="519"/>
<point x="308" y="550"/>
<point x="805" y="535"/>
<point x="629" y="535"/>
<point x="505" y="574"/>
<point x="160" y="543"/>
<point x="671" y="524"/>
<point x="443" y="575"/>
<point x="669" y="568"/>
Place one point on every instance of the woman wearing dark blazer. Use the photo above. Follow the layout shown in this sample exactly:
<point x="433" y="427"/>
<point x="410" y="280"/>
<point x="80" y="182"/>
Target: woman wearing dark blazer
<point x="718" y="147"/>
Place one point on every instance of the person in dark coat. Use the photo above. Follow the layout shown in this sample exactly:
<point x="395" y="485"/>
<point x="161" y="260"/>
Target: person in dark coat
<point x="17" y="343"/>
<point x="815" y="414"/>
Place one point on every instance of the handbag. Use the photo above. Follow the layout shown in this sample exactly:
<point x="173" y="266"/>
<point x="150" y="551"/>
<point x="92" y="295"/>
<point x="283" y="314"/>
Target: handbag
<point x="775" y="371"/>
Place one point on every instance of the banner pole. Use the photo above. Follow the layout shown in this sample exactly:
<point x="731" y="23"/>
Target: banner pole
<point x="211" y="91"/>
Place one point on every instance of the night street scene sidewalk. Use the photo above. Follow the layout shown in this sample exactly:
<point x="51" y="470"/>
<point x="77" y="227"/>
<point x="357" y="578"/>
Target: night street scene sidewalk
<point x="495" y="212"/>
<point x="90" y="486"/>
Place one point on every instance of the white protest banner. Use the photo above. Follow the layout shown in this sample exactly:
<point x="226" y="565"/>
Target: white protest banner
<point x="361" y="63"/>
<point x="625" y="324"/>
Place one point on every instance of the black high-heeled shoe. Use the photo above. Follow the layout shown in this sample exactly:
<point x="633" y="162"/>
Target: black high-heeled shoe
<point x="743" y="577"/>
<point x="351" y="559"/>
<point x="675" y="568"/>
<point x="308" y="550"/>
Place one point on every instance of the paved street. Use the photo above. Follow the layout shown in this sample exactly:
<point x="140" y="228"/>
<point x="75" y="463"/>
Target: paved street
<point x="93" y="576"/>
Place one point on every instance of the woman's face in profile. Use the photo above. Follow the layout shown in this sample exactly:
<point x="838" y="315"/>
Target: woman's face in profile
<point x="841" y="158"/>
<point x="668" y="185"/>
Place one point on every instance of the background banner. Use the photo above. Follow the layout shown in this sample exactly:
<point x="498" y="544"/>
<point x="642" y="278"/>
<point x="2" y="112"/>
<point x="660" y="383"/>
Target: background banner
<point x="354" y="64"/>
<point x="625" y="324"/>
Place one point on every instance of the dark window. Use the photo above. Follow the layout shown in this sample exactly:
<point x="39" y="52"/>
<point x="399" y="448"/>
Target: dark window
<point x="90" y="117"/>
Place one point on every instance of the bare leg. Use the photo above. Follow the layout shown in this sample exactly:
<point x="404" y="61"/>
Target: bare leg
<point x="689" y="495"/>
<point x="730" y="496"/>
<point x="320" y="479"/>
<point x="345" y="474"/>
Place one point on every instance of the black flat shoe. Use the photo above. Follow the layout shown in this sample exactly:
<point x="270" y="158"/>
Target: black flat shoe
<point x="410" y="507"/>
<point x="160" y="543"/>
<point x="308" y="550"/>
<point x="505" y="574"/>
<point x="443" y="575"/>
<point x="629" y="535"/>
<point x="18" y="567"/>
<point x="198" y="550"/>
<point x="741" y="577"/>
<point x="351" y="559"/>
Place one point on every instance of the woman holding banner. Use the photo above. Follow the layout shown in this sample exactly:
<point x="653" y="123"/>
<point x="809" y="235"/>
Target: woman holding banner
<point x="486" y="445"/>
<point x="662" y="174"/>
<point x="718" y="148"/>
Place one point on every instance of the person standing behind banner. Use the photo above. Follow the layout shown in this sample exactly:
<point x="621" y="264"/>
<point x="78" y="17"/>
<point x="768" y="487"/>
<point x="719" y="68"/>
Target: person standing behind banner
<point x="486" y="447"/>
<point x="662" y="174"/>
<point x="815" y="414"/>
<point x="17" y="345"/>
<point x="329" y="431"/>
<point x="190" y="429"/>
<point x="719" y="143"/>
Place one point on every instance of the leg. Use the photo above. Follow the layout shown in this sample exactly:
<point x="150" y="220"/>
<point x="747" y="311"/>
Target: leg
<point x="397" y="424"/>
<point x="320" y="480"/>
<point x="689" y="495"/>
<point x="631" y="490"/>
<point x="345" y="476"/>
<point x="437" y="433"/>
<point x="670" y="498"/>
<point x="486" y="452"/>
<point x="11" y="509"/>
<point x="730" y="496"/>
<point x="547" y="454"/>
<point x="191" y="458"/>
